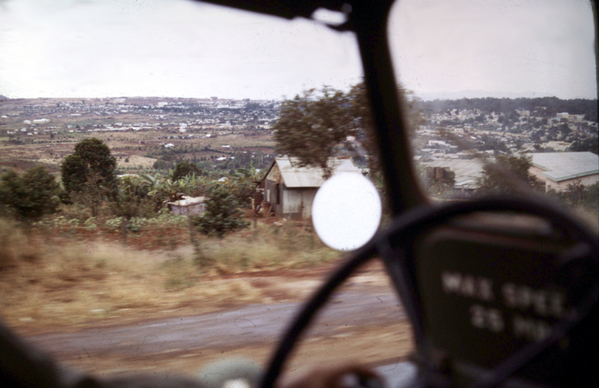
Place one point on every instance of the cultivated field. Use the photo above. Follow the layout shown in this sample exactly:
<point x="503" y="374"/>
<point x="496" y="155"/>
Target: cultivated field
<point x="131" y="148"/>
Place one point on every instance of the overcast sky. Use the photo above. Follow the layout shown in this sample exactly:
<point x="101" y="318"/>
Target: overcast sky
<point x="495" y="47"/>
<point x="178" y="48"/>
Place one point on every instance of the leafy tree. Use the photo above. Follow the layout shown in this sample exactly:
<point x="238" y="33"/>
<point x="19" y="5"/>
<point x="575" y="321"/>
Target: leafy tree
<point x="242" y="184"/>
<point x="90" y="171"/>
<point x="183" y="169"/>
<point x="30" y="196"/>
<point x="318" y="125"/>
<point x="575" y="192"/>
<point x="509" y="175"/>
<point x="129" y="200"/>
<point x="222" y="214"/>
<point x="311" y="126"/>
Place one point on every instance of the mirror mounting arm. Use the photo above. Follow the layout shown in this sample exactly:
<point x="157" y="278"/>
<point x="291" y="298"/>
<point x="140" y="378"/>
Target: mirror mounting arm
<point x="370" y="25"/>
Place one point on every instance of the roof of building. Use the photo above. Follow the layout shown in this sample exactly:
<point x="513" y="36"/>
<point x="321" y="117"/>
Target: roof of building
<point x="188" y="201"/>
<point x="560" y="166"/>
<point x="295" y="176"/>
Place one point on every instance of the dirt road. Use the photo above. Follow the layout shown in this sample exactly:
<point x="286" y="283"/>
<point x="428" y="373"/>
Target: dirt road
<point x="362" y="323"/>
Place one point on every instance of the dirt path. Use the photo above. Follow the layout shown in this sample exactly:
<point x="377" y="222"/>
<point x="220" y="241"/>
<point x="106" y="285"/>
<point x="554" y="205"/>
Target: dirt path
<point x="364" y="321"/>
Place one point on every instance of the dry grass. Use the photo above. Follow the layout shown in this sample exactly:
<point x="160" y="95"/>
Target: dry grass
<point x="267" y="246"/>
<point x="15" y="246"/>
<point x="81" y="283"/>
<point x="46" y="284"/>
<point x="136" y="161"/>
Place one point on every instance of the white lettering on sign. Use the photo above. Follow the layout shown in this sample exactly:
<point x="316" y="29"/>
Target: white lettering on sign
<point x="467" y="285"/>
<point x="486" y="318"/>
<point x="530" y="329"/>
<point x="547" y="303"/>
<point x="543" y="302"/>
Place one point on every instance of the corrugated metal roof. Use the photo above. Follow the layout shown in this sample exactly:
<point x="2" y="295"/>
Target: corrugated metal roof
<point x="296" y="176"/>
<point x="559" y="166"/>
<point x="188" y="201"/>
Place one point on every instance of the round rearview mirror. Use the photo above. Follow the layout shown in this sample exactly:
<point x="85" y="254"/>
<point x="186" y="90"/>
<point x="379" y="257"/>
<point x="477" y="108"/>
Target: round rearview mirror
<point x="346" y="211"/>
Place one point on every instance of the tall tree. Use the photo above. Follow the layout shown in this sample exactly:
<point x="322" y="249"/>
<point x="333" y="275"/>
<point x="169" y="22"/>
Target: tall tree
<point x="319" y="125"/>
<point x="30" y="196"/>
<point x="183" y="169"/>
<point x="129" y="200"/>
<point x="311" y="126"/>
<point x="90" y="172"/>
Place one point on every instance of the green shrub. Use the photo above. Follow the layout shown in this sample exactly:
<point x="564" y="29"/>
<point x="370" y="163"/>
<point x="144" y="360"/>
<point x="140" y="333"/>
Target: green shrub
<point x="222" y="214"/>
<point x="31" y="195"/>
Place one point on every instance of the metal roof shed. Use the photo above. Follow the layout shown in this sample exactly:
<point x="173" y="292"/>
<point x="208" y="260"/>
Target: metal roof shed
<point x="290" y="188"/>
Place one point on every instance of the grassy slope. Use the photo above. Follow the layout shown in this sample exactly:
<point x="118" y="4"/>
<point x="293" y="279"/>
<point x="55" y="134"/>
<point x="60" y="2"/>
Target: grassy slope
<point x="66" y="278"/>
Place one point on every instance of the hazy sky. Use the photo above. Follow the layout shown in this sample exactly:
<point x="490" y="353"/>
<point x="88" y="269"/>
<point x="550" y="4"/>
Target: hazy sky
<point x="178" y="48"/>
<point x="501" y="47"/>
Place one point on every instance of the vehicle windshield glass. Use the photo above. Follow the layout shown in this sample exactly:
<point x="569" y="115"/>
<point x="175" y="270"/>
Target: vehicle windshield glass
<point x="156" y="187"/>
<point x="502" y="98"/>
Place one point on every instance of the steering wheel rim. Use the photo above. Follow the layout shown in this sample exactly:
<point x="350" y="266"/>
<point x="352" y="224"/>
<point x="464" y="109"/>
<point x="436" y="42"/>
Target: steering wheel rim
<point x="414" y="221"/>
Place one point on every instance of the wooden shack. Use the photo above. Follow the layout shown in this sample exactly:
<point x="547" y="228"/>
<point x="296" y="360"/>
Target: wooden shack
<point x="289" y="189"/>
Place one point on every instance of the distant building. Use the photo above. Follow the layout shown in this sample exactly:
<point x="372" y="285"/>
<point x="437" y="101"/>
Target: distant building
<point x="559" y="169"/>
<point x="289" y="189"/>
<point x="467" y="172"/>
<point x="441" y="143"/>
<point x="188" y="206"/>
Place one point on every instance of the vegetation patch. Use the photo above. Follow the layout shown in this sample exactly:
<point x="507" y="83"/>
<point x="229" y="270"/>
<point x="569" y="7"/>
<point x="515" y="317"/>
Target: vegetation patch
<point x="50" y="282"/>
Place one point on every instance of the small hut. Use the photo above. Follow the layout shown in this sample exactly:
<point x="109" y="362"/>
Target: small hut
<point x="288" y="189"/>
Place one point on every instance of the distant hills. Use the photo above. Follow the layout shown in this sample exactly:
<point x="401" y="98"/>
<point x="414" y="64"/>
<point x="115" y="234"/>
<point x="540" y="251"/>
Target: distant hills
<point x="538" y="106"/>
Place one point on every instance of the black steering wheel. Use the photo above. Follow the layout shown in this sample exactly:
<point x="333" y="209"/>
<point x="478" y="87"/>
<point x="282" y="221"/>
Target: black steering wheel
<point x="416" y="221"/>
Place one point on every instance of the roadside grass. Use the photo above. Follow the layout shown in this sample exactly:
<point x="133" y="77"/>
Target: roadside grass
<point x="15" y="246"/>
<point x="266" y="247"/>
<point x="66" y="282"/>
